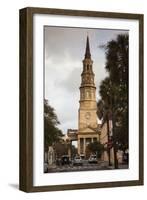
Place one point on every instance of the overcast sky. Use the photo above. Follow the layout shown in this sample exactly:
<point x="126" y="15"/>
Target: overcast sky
<point x="64" y="52"/>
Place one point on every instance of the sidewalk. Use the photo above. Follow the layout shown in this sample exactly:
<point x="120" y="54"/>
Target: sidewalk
<point x="105" y="165"/>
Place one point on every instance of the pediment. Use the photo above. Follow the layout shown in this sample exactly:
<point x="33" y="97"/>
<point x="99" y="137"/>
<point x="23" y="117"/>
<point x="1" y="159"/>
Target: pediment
<point x="87" y="130"/>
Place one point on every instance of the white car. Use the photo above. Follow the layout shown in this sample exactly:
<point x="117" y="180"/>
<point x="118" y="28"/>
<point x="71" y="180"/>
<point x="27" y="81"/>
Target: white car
<point x="77" y="161"/>
<point x="92" y="159"/>
<point x="45" y="167"/>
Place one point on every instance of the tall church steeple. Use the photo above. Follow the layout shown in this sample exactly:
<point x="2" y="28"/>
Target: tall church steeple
<point x="87" y="92"/>
<point x="87" y="122"/>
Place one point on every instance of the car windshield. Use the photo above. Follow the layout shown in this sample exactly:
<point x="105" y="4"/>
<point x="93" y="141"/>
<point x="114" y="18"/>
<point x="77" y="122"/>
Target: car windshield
<point x="77" y="158"/>
<point x="93" y="156"/>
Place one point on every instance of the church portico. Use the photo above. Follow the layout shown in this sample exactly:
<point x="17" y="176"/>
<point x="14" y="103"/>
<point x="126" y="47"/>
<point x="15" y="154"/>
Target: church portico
<point x="84" y="140"/>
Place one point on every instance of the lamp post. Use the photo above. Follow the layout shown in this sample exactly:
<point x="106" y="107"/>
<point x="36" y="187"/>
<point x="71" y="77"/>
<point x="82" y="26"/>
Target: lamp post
<point x="112" y="100"/>
<point x="99" y="134"/>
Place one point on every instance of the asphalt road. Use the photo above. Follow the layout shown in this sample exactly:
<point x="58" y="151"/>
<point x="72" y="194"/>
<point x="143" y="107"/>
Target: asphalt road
<point x="85" y="167"/>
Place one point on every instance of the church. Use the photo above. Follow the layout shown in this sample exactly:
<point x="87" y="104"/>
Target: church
<point x="88" y="128"/>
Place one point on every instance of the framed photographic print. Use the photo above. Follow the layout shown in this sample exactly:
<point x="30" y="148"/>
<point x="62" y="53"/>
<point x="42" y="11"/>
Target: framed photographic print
<point x="81" y="99"/>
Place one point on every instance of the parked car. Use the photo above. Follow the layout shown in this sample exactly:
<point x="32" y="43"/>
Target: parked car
<point x="45" y="167"/>
<point x="65" y="160"/>
<point x="92" y="159"/>
<point x="82" y="156"/>
<point x="58" y="161"/>
<point x="126" y="157"/>
<point x="77" y="161"/>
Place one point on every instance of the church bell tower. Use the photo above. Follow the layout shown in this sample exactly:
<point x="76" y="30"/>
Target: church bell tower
<point x="87" y="120"/>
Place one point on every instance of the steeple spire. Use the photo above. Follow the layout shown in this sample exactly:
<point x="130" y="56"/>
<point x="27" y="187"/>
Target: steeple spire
<point x="87" y="52"/>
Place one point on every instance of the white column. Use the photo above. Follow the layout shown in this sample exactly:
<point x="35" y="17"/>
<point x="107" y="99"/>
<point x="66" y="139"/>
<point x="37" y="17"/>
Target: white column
<point x="69" y="150"/>
<point x="84" y="145"/>
<point x="79" y="146"/>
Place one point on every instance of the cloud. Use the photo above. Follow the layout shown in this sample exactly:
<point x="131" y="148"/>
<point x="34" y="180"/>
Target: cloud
<point x="64" y="52"/>
<point x="62" y="89"/>
<point x="72" y="82"/>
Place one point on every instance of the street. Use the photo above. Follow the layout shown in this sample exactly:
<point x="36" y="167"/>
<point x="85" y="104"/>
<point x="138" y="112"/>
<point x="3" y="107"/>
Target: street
<point x="101" y="165"/>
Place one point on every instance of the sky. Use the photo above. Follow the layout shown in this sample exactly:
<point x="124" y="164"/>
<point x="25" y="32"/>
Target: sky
<point x="64" y="50"/>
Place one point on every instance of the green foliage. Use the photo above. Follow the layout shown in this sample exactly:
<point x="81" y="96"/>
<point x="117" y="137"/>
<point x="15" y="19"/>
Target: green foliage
<point x="61" y="149"/>
<point x="96" y="148"/>
<point x="117" y="59"/>
<point x="74" y="151"/>
<point x="52" y="133"/>
<point x="114" y="89"/>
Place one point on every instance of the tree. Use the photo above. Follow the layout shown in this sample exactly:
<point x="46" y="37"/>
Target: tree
<point x="104" y="113"/>
<point x="117" y="67"/>
<point x="61" y="149"/>
<point x="52" y="133"/>
<point x="114" y="90"/>
<point x="96" y="148"/>
<point x="74" y="151"/>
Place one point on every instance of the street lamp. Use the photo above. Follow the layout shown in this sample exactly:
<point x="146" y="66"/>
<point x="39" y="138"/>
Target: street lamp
<point x="99" y="134"/>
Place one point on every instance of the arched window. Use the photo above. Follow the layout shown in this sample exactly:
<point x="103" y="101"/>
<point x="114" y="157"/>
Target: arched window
<point x="87" y="94"/>
<point x="87" y="67"/>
